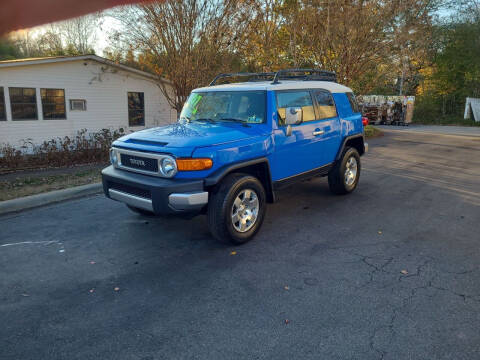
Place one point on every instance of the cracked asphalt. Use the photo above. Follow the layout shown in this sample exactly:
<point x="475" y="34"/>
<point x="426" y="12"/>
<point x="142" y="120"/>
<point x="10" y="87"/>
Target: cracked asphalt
<point x="391" y="271"/>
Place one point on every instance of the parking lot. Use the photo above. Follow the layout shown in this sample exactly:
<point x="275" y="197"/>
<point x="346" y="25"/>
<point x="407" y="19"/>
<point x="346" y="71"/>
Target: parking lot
<point x="389" y="272"/>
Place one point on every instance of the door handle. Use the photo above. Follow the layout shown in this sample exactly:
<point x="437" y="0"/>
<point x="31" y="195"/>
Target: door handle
<point x="318" y="132"/>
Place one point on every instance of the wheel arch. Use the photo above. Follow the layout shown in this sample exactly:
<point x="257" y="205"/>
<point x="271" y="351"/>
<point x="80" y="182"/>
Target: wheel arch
<point x="260" y="168"/>
<point x="355" y="141"/>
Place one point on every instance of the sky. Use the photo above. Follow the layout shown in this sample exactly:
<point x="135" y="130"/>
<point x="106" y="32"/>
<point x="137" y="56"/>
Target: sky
<point x="108" y="26"/>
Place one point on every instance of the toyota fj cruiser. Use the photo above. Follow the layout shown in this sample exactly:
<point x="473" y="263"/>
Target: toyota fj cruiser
<point x="236" y="144"/>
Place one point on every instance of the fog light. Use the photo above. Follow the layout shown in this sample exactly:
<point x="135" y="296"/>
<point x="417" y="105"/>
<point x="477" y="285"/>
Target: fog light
<point x="113" y="156"/>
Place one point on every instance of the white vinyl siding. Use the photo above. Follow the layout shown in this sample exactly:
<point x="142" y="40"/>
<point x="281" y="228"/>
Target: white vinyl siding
<point x="103" y="87"/>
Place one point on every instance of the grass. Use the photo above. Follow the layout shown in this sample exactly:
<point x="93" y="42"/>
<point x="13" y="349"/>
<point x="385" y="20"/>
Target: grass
<point x="372" y="131"/>
<point x="445" y="120"/>
<point x="24" y="185"/>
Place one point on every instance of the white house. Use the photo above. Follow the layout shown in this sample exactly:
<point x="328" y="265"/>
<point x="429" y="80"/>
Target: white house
<point x="45" y="98"/>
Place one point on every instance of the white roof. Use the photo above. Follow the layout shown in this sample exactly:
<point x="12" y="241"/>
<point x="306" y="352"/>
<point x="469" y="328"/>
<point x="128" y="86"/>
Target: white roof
<point x="282" y="85"/>
<point x="58" y="59"/>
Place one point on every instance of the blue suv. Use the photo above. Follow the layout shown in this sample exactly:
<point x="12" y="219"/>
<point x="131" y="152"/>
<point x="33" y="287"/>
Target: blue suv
<point x="236" y="144"/>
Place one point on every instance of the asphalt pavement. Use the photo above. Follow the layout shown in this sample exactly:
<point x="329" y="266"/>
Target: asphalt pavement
<point x="435" y="129"/>
<point x="391" y="271"/>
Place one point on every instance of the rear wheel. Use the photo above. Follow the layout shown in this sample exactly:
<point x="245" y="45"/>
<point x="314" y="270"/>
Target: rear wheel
<point x="236" y="208"/>
<point x="344" y="176"/>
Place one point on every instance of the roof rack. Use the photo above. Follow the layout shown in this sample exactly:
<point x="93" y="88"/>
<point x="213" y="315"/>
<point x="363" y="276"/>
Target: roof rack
<point x="287" y="74"/>
<point x="255" y="76"/>
<point x="315" y="74"/>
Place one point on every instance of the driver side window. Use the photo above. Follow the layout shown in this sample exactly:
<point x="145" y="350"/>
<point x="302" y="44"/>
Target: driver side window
<point x="301" y="99"/>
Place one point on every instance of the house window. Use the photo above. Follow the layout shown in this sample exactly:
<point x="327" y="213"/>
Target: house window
<point x="136" y="109"/>
<point x="3" y="114"/>
<point x="78" y="104"/>
<point x="53" y="104"/>
<point x="23" y="102"/>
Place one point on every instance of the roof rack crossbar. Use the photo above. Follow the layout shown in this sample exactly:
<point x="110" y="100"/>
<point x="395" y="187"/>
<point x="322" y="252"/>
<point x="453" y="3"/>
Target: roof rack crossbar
<point x="255" y="76"/>
<point x="305" y="74"/>
<point x="315" y="74"/>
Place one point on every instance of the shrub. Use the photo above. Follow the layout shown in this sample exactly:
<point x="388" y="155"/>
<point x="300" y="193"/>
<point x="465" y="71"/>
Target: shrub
<point x="371" y="131"/>
<point x="441" y="110"/>
<point x="83" y="148"/>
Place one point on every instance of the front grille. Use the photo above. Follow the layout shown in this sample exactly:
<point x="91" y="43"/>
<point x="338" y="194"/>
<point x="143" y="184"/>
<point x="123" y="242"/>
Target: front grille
<point x="139" y="162"/>
<point x="130" y="190"/>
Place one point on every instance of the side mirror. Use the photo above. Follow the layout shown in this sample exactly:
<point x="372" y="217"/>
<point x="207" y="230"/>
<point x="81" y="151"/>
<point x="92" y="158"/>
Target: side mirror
<point x="293" y="115"/>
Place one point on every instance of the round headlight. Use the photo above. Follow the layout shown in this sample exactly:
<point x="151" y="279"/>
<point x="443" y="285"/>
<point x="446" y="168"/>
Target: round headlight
<point x="113" y="156"/>
<point x="168" y="167"/>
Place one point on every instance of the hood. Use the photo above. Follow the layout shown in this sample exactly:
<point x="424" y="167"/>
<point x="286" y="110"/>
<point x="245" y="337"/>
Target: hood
<point x="189" y="135"/>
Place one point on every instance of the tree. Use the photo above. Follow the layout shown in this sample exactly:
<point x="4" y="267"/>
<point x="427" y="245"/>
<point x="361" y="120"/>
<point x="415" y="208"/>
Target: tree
<point x="50" y="43"/>
<point x="80" y="34"/>
<point x="261" y="47"/>
<point x="356" y="39"/>
<point x="372" y="45"/>
<point x="368" y="43"/>
<point x="454" y="73"/>
<point x="8" y="49"/>
<point x="187" y="41"/>
<point x="71" y="37"/>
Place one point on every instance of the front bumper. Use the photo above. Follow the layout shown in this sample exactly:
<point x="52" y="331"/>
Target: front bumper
<point x="161" y="196"/>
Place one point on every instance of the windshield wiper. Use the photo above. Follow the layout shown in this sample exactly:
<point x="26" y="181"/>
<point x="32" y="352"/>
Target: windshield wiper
<point x="205" y="119"/>
<point x="233" y="119"/>
<point x="244" y="123"/>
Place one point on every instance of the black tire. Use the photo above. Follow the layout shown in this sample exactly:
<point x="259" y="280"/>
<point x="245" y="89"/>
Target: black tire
<point x="220" y="206"/>
<point x="337" y="178"/>
<point x="141" y="211"/>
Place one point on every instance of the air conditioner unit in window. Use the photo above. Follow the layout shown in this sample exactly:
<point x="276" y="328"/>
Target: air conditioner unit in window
<point x="78" y="104"/>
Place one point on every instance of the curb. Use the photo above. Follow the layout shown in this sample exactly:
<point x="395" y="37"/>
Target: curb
<point x="33" y="201"/>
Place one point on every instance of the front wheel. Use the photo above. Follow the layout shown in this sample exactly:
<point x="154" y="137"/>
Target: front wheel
<point x="344" y="176"/>
<point x="236" y="208"/>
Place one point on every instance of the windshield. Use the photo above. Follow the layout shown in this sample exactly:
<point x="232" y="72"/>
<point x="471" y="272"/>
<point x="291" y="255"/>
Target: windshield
<point x="239" y="106"/>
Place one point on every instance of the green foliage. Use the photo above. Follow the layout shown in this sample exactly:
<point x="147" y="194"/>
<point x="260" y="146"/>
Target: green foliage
<point x="432" y="106"/>
<point x="455" y="75"/>
<point x="438" y="109"/>
<point x="372" y="132"/>
<point x="8" y="50"/>
<point x="457" y="63"/>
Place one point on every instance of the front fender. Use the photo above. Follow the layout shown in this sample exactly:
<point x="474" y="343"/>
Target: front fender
<point x="224" y="155"/>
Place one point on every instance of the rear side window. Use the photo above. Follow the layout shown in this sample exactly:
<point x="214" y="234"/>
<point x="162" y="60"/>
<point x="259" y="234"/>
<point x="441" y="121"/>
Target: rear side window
<point x="301" y="99"/>
<point x="353" y="102"/>
<point x="325" y="104"/>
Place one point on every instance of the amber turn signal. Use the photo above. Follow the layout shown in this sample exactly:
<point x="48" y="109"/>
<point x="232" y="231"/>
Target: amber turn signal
<point x="194" y="164"/>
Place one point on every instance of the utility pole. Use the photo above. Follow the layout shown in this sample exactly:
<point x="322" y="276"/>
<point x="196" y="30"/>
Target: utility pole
<point x="401" y="82"/>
